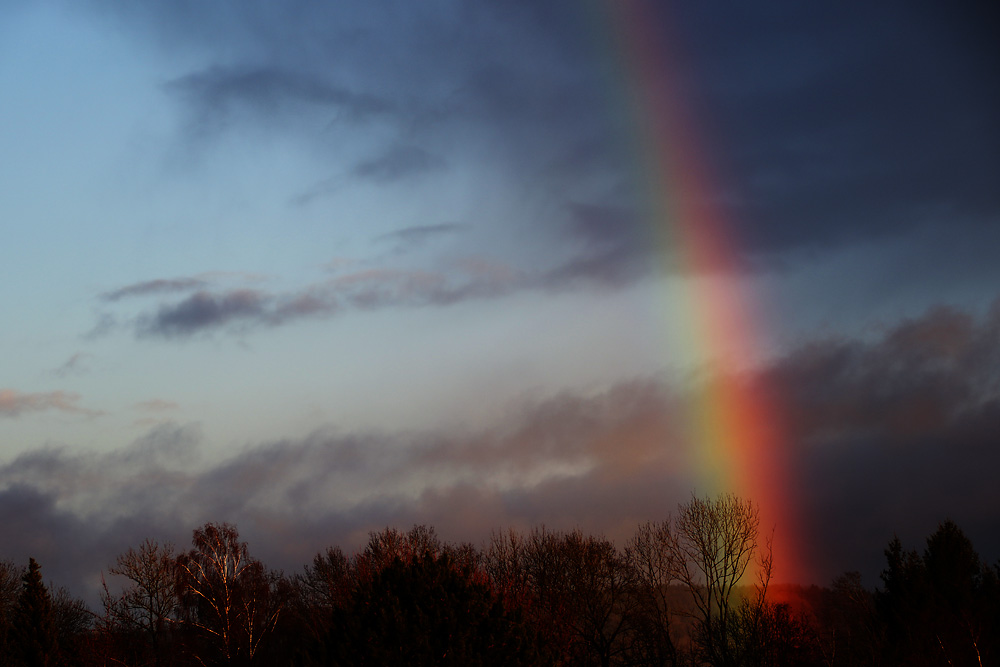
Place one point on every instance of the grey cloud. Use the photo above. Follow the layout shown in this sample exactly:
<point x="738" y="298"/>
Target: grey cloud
<point x="604" y="462"/>
<point x="204" y="310"/>
<point x="159" y="286"/>
<point x="610" y="250"/>
<point x="398" y="163"/>
<point x="923" y="376"/>
<point x="355" y="483"/>
<point x="897" y="433"/>
<point x="420" y="234"/>
<point x="217" y="91"/>
<point x="14" y="403"/>
<point x="239" y="310"/>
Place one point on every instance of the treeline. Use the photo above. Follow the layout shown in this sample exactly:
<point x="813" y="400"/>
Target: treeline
<point x="675" y="594"/>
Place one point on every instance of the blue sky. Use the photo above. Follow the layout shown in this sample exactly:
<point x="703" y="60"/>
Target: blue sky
<point x="319" y="267"/>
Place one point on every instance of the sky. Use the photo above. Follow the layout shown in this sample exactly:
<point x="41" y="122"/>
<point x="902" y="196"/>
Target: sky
<point x="317" y="268"/>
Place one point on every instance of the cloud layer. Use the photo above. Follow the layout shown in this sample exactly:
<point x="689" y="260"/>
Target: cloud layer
<point x="875" y="423"/>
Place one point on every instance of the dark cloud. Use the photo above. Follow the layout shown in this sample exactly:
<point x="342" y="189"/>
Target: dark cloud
<point x="159" y="286"/>
<point x="842" y="123"/>
<point x="14" y="403"/>
<point x="204" y="310"/>
<point x="897" y="433"/>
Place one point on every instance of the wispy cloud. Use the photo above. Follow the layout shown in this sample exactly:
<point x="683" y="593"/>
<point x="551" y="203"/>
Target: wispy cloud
<point x="418" y="235"/>
<point x="156" y="405"/>
<point x="241" y="310"/>
<point x="215" y="93"/>
<point x="14" y="403"/>
<point x="75" y="365"/>
<point x="155" y="287"/>
<point x="398" y="163"/>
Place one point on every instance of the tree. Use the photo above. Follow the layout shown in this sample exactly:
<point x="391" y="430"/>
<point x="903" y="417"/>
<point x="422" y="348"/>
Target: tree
<point x="386" y="545"/>
<point x="147" y="606"/>
<point x="427" y="611"/>
<point x="600" y="591"/>
<point x="649" y="556"/>
<point x="34" y="633"/>
<point x="941" y="608"/>
<point x="73" y="622"/>
<point x="228" y="598"/>
<point x="852" y="634"/>
<point x="10" y="587"/>
<point x="711" y="547"/>
<point x="324" y="588"/>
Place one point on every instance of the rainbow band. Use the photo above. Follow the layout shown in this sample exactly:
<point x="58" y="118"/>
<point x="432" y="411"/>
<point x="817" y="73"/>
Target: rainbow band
<point x="735" y="427"/>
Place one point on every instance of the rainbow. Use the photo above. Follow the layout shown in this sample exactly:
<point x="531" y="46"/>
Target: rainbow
<point x="735" y="424"/>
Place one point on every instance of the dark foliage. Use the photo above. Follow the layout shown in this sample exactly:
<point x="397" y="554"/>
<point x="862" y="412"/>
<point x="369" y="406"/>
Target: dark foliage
<point x="34" y="639"/>
<point x="428" y="612"/>
<point x="541" y="598"/>
<point x="941" y="608"/>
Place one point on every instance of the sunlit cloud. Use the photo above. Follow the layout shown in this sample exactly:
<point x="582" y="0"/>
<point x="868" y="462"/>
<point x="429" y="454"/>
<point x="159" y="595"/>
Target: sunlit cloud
<point x="14" y="403"/>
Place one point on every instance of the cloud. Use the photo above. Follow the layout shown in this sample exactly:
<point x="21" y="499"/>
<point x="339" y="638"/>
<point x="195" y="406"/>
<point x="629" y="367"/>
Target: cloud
<point x="398" y="163"/>
<point x="359" y="482"/>
<point x="203" y="310"/>
<point x="159" y="286"/>
<point x="896" y="432"/>
<point x="901" y="123"/>
<point x="75" y="365"/>
<point x="14" y="403"/>
<point x="241" y="310"/>
<point x="921" y="377"/>
<point x="215" y="93"/>
<point x="418" y="235"/>
<point x="887" y="434"/>
<point x="829" y="127"/>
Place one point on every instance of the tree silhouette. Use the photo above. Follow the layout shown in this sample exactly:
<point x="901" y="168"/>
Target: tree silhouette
<point x="10" y="587"/>
<point x="939" y="609"/>
<point x="651" y="560"/>
<point x="146" y="607"/>
<point x="34" y="633"/>
<point x="712" y="545"/>
<point x="428" y="612"/>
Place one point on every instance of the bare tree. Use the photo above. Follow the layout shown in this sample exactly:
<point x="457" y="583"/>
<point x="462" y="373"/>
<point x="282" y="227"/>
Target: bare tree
<point x="228" y="596"/>
<point x="148" y="604"/>
<point x="651" y="560"/>
<point x="598" y="585"/>
<point x="711" y="547"/>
